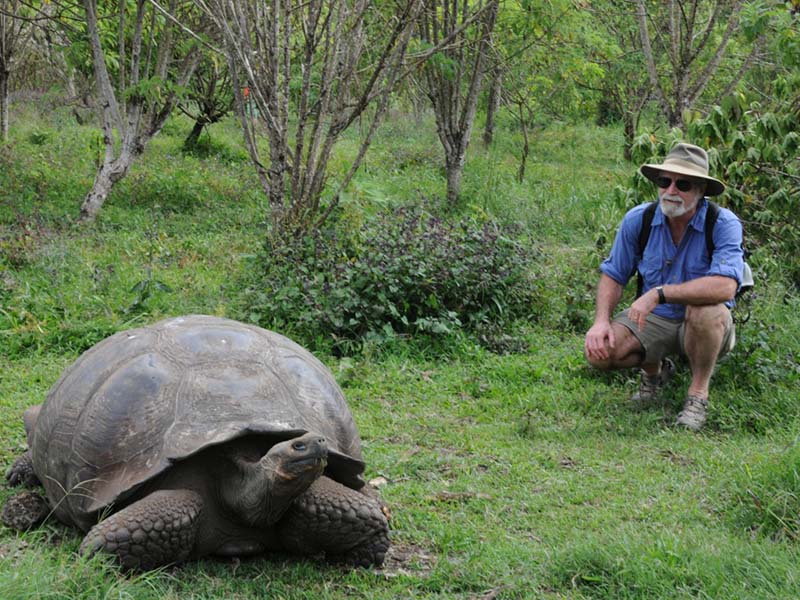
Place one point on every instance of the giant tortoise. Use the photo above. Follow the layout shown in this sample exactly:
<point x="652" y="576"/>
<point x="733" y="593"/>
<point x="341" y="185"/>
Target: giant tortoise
<point x="203" y="436"/>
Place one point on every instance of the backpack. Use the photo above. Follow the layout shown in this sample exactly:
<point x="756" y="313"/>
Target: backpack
<point x="711" y="220"/>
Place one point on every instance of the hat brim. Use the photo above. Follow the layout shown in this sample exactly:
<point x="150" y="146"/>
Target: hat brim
<point x="714" y="187"/>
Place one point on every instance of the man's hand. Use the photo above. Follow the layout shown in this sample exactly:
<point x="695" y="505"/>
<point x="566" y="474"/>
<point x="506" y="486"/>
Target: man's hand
<point x="599" y="339"/>
<point x="642" y="307"/>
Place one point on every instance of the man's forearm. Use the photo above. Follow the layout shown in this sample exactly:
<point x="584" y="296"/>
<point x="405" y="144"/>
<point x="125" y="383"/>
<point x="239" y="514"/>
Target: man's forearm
<point x="712" y="289"/>
<point x="609" y="293"/>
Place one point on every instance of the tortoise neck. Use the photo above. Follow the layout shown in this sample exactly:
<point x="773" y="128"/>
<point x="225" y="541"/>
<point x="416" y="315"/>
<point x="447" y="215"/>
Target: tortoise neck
<point x="249" y="491"/>
<point x="261" y="491"/>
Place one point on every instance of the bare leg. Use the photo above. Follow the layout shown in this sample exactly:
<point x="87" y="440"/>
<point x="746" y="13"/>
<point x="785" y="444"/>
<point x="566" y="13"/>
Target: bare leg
<point x="348" y="526"/>
<point x="157" y="530"/>
<point x="626" y="353"/>
<point x="705" y="330"/>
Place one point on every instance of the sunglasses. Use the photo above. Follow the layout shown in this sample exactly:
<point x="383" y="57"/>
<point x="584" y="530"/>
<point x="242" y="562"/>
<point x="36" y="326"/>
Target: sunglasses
<point x="684" y="185"/>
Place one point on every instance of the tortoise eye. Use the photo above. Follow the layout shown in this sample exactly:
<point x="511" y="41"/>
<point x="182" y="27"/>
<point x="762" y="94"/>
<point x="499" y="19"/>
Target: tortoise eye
<point x="299" y="446"/>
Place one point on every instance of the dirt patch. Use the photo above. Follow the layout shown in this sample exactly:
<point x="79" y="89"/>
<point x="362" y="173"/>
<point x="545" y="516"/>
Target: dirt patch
<point x="407" y="559"/>
<point x="12" y="549"/>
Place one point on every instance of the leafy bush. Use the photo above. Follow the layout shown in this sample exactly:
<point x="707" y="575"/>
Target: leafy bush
<point x="756" y="382"/>
<point x="401" y="272"/>
<point x="756" y="151"/>
<point x="208" y="147"/>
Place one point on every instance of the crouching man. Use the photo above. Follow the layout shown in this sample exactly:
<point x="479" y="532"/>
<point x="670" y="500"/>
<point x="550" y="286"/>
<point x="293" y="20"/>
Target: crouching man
<point x="688" y="274"/>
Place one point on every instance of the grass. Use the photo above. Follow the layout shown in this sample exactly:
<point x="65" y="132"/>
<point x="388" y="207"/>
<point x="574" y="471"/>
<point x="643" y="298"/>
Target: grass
<point x="508" y="476"/>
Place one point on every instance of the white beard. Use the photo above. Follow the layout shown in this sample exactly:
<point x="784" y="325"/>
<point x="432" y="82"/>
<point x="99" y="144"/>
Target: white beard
<point x="674" y="206"/>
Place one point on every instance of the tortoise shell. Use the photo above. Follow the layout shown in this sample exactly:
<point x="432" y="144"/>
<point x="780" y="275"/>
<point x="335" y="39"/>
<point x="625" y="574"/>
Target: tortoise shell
<point x="142" y="400"/>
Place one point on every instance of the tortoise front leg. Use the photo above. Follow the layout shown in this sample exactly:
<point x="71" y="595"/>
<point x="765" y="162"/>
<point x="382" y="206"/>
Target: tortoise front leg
<point x="347" y="525"/>
<point x="157" y="530"/>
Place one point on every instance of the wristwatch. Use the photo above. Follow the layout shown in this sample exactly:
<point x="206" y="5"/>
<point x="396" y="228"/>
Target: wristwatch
<point x="662" y="299"/>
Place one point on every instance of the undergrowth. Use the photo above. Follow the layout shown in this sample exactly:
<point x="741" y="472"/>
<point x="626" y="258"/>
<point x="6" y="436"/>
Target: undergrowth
<point x="403" y="272"/>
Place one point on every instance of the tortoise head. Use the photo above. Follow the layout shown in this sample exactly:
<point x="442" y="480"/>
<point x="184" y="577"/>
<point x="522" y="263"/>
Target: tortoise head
<point x="268" y="486"/>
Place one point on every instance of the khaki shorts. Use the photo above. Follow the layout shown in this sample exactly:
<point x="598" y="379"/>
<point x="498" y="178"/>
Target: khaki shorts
<point x="664" y="337"/>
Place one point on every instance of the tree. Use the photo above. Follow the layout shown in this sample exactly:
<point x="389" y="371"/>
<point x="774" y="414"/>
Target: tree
<point x="310" y="70"/>
<point x="616" y="47"/>
<point x="209" y="99"/>
<point x="755" y="137"/>
<point x="454" y="74"/>
<point x="537" y="51"/>
<point x="495" y="96"/>
<point x="154" y="61"/>
<point x="696" y="36"/>
<point x="15" y="34"/>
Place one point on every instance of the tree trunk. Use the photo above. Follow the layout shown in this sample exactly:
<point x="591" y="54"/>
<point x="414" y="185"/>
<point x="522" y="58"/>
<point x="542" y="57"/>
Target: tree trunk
<point x="454" y="164"/>
<point x="526" y="148"/>
<point x="675" y="119"/>
<point x="194" y="135"/>
<point x="108" y="174"/>
<point x="629" y="133"/>
<point x="495" y="94"/>
<point x="4" y="77"/>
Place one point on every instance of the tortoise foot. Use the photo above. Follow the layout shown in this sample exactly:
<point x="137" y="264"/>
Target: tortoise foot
<point x="369" y="553"/>
<point x="350" y="527"/>
<point x="21" y="472"/>
<point x="24" y="511"/>
<point x="158" y="530"/>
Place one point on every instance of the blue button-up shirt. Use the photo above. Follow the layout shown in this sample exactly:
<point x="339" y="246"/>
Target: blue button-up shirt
<point x="665" y="263"/>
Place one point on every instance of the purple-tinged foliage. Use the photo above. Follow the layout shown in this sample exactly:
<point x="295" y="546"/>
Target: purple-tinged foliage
<point x="403" y="272"/>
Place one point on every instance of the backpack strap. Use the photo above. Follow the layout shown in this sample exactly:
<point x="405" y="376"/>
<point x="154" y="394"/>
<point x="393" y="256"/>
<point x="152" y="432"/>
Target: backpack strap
<point x="711" y="219"/>
<point x="644" y="236"/>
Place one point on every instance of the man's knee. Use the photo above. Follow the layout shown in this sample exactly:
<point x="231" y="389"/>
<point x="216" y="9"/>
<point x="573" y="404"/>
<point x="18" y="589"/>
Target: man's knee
<point x="708" y="327"/>
<point x="627" y="352"/>
<point x="707" y="318"/>
<point x="602" y="364"/>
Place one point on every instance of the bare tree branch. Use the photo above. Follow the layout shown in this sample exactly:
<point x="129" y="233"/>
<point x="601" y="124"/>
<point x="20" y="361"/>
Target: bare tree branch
<point x="697" y="46"/>
<point x="317" y="65"/>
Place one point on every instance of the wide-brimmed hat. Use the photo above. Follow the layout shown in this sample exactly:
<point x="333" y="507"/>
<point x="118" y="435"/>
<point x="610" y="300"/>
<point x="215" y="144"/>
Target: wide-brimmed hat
<point x="686" y="159"/>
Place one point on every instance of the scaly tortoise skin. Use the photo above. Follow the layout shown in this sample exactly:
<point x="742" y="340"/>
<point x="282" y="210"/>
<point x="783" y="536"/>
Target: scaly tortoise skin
<point x="197" y="436"/>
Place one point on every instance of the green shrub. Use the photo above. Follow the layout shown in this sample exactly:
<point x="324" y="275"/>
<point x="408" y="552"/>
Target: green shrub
<point x="401" y="272"/>
<point x="209" y="147"/>
<point x="72" y="338"/>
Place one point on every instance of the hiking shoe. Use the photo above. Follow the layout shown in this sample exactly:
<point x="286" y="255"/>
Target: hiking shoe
<point x="693" y="415"/>
<point x="650" y="386"/>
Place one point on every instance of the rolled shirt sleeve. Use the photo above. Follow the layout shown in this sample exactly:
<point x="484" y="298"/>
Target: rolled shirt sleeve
<point x="623" y="260"/>
<point x="728" y="258"/>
